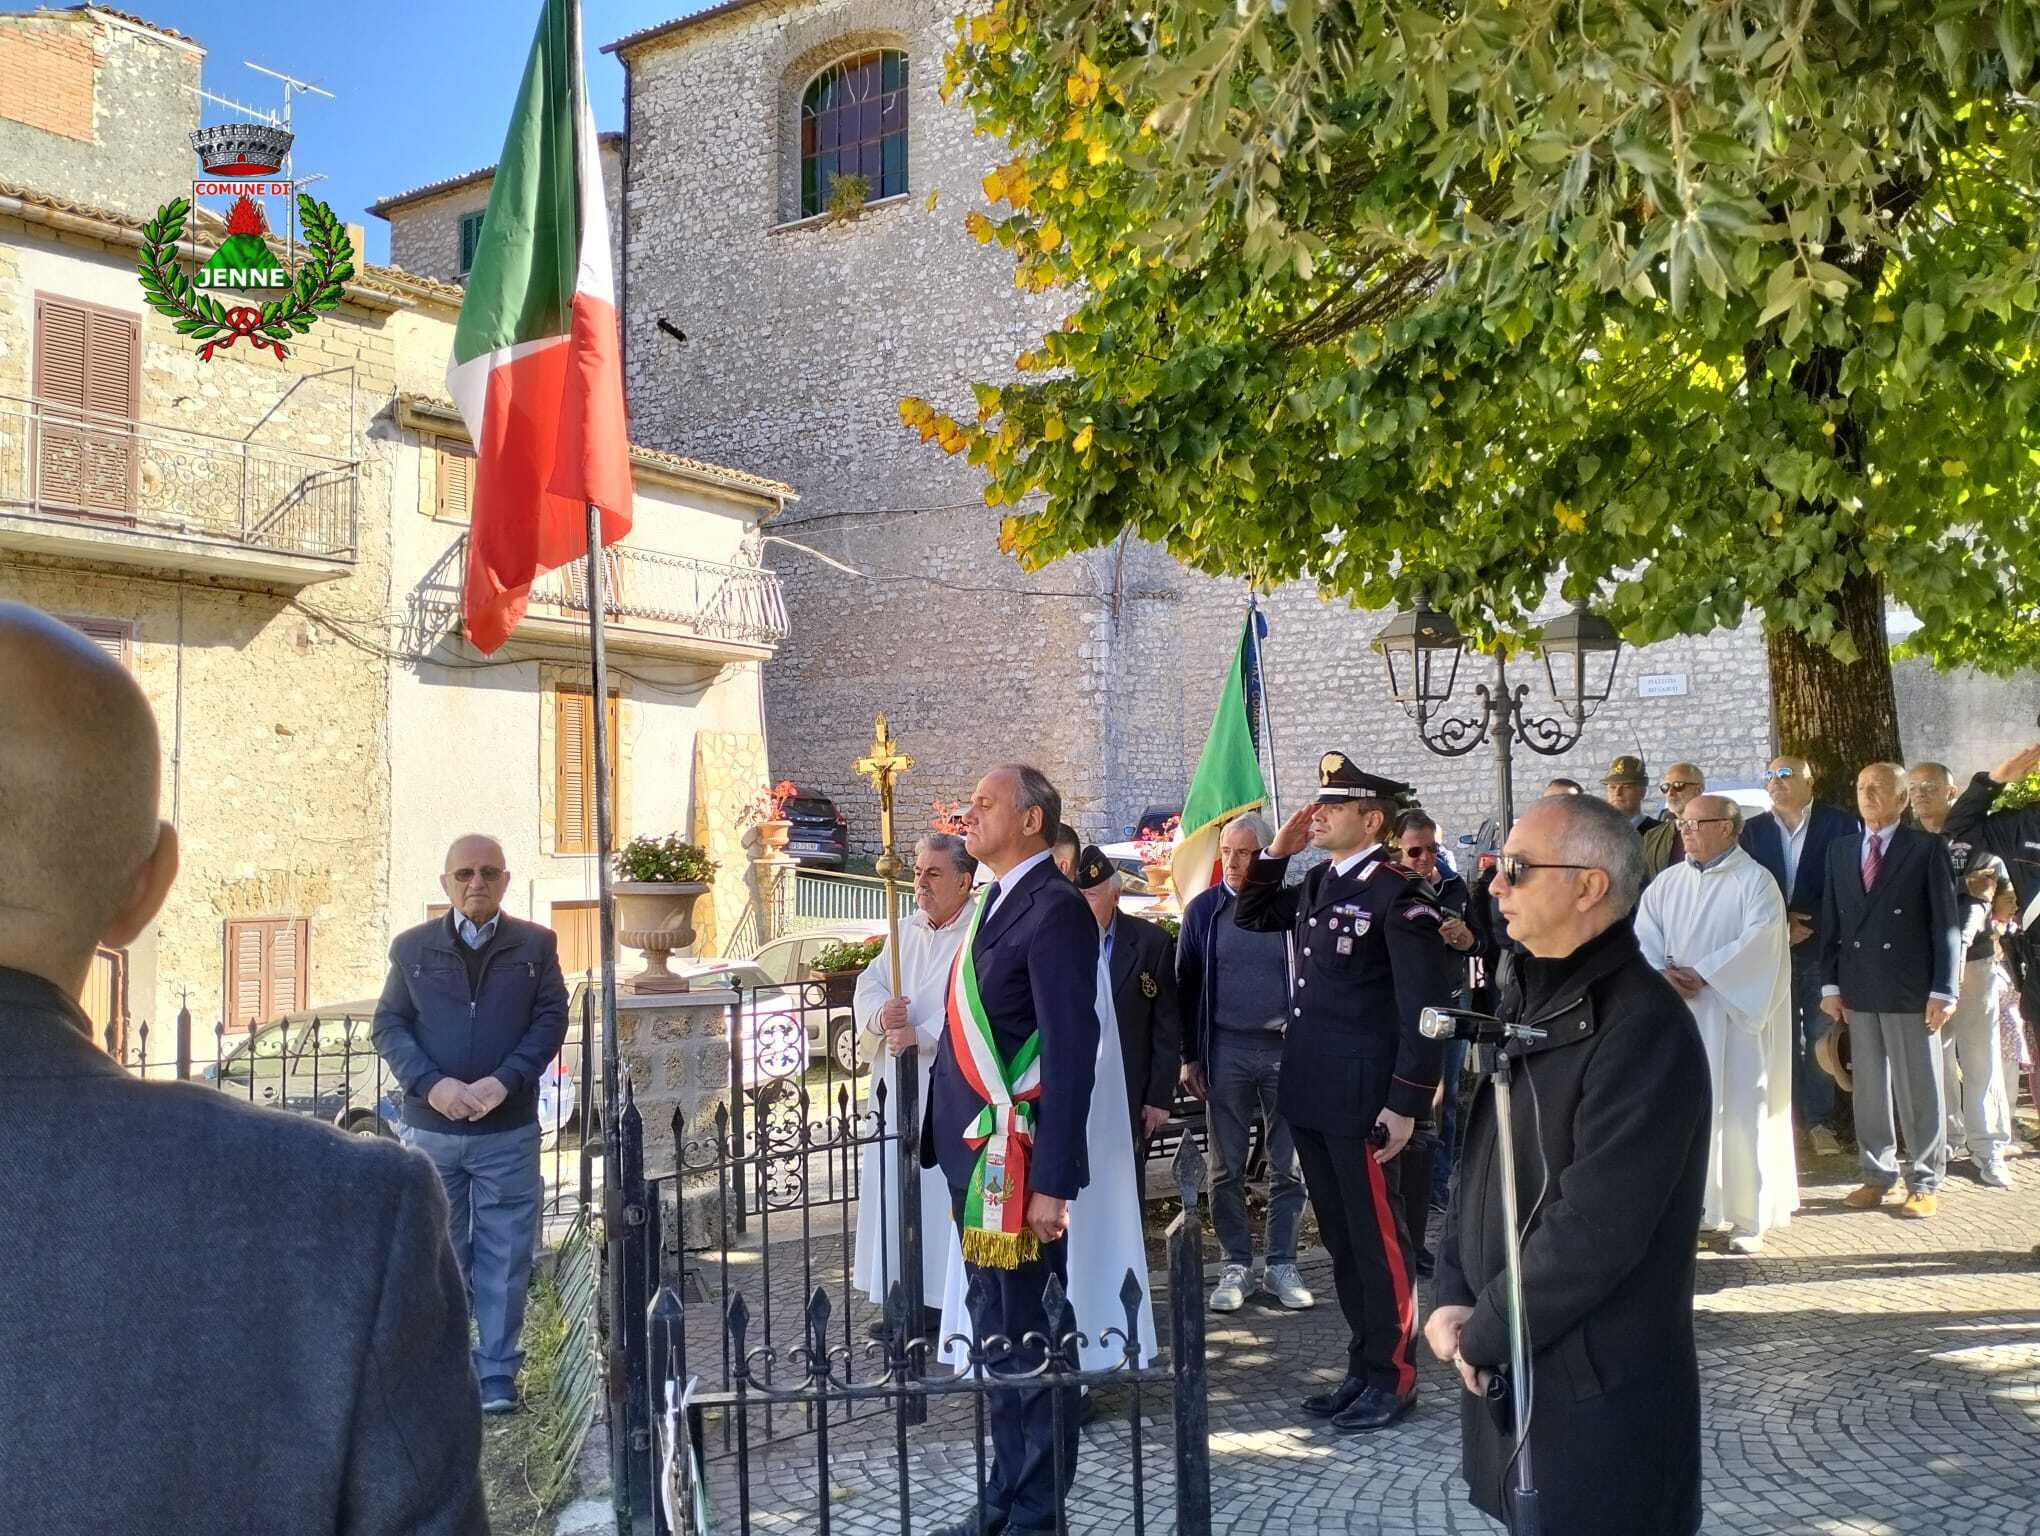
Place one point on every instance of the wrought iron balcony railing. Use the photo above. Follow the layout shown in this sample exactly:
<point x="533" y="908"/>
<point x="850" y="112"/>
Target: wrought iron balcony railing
<point x="111" y="472"/>
<point x="650" y="598"/>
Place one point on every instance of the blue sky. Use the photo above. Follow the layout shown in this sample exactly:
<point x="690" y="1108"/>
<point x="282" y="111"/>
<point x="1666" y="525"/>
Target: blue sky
<point x="423" y="90"/>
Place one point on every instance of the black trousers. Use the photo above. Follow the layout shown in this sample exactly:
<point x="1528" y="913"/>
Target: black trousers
<point x="1360" y="1217"/>
<point x="1411" y="1173"/>
<point x="1022" y="1482"/>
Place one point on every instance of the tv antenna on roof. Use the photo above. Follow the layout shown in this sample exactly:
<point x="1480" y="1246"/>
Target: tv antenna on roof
<point x="292" y="87"/>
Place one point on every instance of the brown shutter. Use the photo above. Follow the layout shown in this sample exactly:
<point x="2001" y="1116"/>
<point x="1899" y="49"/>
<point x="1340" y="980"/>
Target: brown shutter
<point x="615" y="766"/>
<point x="288" y="968"/>
<point x="456" y="493"/>
<point x="88" y="370"/>
<point x="579" y="927"/>
<point x="61" y="329"/>
<point x="613" y="593"/>
<point x="110" y="635"/>
<point x="574" y="769"/>
<point x="247" y="973"/>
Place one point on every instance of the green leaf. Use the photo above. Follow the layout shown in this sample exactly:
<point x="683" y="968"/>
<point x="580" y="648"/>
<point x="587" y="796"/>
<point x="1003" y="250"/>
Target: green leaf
<point x="2015" y="40"/>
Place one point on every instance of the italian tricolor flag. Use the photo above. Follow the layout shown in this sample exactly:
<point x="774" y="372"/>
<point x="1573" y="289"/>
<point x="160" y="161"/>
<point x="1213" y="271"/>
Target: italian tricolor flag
<point x="536" y="369"/>
<point x="1228" y="777"/>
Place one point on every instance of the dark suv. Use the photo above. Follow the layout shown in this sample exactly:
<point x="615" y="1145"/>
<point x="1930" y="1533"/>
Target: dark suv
<point x="820" y="838"/>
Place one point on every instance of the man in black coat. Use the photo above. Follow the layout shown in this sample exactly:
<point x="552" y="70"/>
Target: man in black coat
<point x="1610" y="1131"/>
<point x="1139" y="957"/>
<point x="1028" y="972"/>
<point x="1791" y="841"/>
<point x="1891" y="963"/>
<point x="261" y="1312"/>
<point x="1356" y="1074"/>
<point x="2014" y="836"/>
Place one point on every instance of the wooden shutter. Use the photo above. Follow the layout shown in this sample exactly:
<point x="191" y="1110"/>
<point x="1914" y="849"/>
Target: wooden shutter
<point x="456" y="482"/>
<point x="574" y="769"/>
<point x="105" y="1001"/>
<point x="268" y="968"/>
<point x="470" y="238"/>
<point x="110" y="635"/>
<point x="87" y="374"/>
<point x="575" y="573"/>
<point x="579" y="926"/>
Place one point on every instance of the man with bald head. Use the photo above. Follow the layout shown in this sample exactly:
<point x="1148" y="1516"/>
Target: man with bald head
<point x="114" y="1324"/>
<point x="1663" y="845"/>
<point x="1791" y="841"/>
<point x="473" y="1012"/>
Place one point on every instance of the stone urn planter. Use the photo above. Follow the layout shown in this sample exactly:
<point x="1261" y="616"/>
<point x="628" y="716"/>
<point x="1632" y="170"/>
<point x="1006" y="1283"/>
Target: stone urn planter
<point x="656" y="916"/>
<point x="772" y="836"/>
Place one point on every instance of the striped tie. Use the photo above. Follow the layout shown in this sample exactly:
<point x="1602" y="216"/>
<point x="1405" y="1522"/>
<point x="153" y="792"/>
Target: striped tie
<point x="1873" y="860"/>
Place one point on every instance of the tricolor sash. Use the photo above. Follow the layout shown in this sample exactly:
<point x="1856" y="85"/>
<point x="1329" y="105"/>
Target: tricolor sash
<point x="995" y="1230"/>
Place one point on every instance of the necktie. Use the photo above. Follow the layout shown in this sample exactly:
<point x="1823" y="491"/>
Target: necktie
<point x="991" y="898"/>
<point x="1873" y="859"/>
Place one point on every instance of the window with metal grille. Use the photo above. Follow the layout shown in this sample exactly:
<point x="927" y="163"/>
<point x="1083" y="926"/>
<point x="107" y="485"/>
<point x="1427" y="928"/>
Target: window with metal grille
<point x="268" y="965"/>
<point x="470" y="239"/>
<point x="574" y="769"/>
<point x="853" y="122"/>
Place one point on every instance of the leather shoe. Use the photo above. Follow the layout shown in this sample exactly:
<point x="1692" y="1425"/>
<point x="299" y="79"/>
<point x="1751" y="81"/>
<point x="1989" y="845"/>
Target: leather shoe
<point x="1865" y="1197"/>
<point x="991" y="1522"/>
<point x="1375" y="1408"/>
<point x="1338" y="1400"/>
<point x="1919" y="1205"/>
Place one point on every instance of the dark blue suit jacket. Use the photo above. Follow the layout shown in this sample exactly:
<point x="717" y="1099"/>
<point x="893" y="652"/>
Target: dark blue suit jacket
<point x="1888" y="949"/>
<point x="1763" y="839"/>
<point x="1037" y="968"/>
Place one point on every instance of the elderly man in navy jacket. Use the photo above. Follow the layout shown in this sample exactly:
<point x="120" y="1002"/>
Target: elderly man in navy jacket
<point x="473" y="1012"/>
<point x="1791" y="841"/>
<point x="1009" y="1137"/>
<point x="1891" y="943"/>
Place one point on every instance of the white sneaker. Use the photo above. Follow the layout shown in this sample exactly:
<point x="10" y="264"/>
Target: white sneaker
<point x="1231" y="1292"/>
<point x="1289" y="1288"/>
<point x="1993" y="1173"/>
<point x="1745" y="1242"/>
<point x="1825" y="1142"/>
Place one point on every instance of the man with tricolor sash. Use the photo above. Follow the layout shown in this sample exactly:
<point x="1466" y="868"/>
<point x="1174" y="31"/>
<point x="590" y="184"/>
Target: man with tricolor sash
<point x="1009" y="1098"/>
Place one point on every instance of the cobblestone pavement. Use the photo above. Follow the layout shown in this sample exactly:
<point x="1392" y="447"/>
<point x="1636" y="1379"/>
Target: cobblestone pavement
<point x="1866" y="1376"/>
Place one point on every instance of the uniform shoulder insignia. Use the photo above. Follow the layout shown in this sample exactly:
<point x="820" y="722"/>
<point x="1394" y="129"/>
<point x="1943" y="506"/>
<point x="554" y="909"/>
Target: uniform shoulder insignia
<point x="1422" y="911"/>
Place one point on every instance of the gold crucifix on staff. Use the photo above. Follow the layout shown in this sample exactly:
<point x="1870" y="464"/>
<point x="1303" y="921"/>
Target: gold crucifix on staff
<point x="883" y="767"/>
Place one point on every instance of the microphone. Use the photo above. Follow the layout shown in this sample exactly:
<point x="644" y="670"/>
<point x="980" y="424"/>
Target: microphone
<point x="1466" y="1024"/>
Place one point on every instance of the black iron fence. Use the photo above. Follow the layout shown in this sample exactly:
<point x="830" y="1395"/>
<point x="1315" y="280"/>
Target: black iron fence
<point x="325" y="1065"/>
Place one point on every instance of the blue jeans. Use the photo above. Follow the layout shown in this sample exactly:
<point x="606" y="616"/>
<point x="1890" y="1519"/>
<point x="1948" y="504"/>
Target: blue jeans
<point x="1243" y="1075"/>
<point x="493" y="1192"/>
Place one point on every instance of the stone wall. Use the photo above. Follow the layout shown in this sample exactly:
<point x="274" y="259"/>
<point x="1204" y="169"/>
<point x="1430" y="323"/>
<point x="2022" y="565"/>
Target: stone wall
<point x="1103" y="670"/>
<point x="425" y="235"/>
<point x="95" y="110"/>
<point x="729" y="771"/>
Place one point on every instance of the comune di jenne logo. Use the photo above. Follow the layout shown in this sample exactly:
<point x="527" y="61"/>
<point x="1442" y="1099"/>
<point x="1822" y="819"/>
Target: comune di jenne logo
<point x="238" y="160"/>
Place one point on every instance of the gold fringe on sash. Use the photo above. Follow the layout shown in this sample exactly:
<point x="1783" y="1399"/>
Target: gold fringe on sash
<point x="1000" y="1250"/>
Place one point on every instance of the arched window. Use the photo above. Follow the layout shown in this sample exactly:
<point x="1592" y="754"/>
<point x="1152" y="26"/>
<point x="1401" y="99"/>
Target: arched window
<point x="853" y="122"/>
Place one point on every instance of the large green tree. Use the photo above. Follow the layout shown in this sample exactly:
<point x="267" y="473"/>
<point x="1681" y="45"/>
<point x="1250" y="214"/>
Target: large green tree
<point x="1697" y="306"/>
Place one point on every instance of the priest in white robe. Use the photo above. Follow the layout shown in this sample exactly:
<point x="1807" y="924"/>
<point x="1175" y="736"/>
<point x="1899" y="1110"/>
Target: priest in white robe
<point x="1105" y="1231"/>
<point x="1715" y="925"/>
<point x="930" y="936"/>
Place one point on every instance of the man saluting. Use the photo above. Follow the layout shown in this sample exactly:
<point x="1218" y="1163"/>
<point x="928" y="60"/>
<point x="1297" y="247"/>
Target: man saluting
<point x="1009" y="1097"/>
<point x="1355" y="1072"/>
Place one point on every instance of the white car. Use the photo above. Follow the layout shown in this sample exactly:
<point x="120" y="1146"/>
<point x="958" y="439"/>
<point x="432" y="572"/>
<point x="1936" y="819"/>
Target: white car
<point x="786" y="1001"/>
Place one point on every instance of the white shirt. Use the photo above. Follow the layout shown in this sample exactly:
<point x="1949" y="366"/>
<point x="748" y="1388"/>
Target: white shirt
<point x="1353" y="861"/>
<point x="472" y="936"/>
<point x="1013" y="877"/>
<point x="1794" y="842"/>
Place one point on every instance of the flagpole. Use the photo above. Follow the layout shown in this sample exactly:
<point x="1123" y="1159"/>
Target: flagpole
<point x="1267" y="722"/>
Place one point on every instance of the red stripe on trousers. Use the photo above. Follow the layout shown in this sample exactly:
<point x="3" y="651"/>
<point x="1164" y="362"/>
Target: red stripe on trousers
<point x="1398" y="1277"/>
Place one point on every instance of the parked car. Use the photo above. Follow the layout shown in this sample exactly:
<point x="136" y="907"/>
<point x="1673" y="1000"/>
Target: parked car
<point x="319" y="1062"/>
<point x="819" y="837"/>
<point x="781" y="985"/>
<point x="1155" y="819"/>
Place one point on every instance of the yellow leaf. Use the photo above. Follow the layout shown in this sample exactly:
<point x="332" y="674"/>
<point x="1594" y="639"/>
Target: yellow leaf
<point x="1051" y="429"/>
<point x="1081" y="91"/>
<point x="979" y="226"/>
<point x="1082" y="440"/>
<point x="1073" y="129"/>
<point x="1954" y="468"/>
<point x="1827" y="429"/>
<point x="1059" y="178"/>
<point x="1437" y="399"/>
<point x="1882" y="314"/>
<point x="994" y="185"/>
<point x="931" y="202"/>
<point x="1097" y="151"/>
<point x="1568" y="519"/>
<point x="1048" y="237"/>
<point x="981" y="30"/>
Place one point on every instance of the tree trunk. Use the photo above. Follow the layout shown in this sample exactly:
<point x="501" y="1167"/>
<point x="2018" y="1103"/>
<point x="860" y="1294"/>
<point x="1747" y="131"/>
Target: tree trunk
<point x="1836" y="716"/>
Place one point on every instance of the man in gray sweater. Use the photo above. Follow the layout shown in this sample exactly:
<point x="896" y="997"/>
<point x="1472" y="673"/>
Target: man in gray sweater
<point x="1234" y="986"/>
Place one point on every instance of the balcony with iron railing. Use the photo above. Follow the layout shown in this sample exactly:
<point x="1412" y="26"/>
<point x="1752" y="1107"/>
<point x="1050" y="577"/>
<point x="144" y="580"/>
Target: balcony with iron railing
<point x="108" y="489"/>
<point x="655" y="604"/>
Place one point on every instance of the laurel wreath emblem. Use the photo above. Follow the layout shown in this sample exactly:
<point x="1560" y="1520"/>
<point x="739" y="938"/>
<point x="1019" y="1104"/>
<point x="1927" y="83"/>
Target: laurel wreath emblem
<point x="316" y="289"/>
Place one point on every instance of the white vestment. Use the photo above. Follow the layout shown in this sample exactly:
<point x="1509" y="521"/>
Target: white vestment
<point x="1105" y="1236"/>
<point x="1728" y="923"/>
<point x="926" y="957"/>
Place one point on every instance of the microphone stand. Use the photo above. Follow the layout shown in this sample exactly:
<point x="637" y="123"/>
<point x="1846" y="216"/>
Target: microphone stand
<point x="1523" y="1517"/>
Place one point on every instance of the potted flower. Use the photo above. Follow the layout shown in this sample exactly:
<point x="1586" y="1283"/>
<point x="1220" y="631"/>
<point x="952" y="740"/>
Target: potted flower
<point x="948" y="817"/>
<point x="839" y="965"/>
<point x="657" y="882"/>
<point x="1156" y="848"/>
<point x="768" y="814"/>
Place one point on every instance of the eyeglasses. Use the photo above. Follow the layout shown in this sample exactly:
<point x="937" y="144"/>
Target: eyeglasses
<point x="1672" y="786"/>
<point x="1420" y="850"/>
<point x="1514" y="867"/>
<point x="488" y="872"/>
<point x="1688" y="823"/>
<point x="1778" y="773"/>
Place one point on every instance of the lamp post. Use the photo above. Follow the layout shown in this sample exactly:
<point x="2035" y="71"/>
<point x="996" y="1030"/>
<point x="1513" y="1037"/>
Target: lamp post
<point x="1423" y="648"/>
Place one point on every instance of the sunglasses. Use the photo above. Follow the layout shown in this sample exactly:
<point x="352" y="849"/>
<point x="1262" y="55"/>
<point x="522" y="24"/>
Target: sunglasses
<point x="1671" y="786"/>
<point x="1778" y="773"/>
<point x="488" y="872"/>
<point x="1420" y="850"/>
<point x="1514" y="867"/>
<point x="1688" y="823"/>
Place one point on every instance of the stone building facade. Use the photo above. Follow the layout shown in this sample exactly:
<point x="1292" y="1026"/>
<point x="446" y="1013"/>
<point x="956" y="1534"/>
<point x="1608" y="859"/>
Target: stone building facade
<point x="803" y="334"/>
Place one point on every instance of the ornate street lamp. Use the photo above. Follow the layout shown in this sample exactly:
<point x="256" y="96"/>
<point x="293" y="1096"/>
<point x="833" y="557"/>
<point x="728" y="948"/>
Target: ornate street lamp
<point x="1422" y="650"/>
